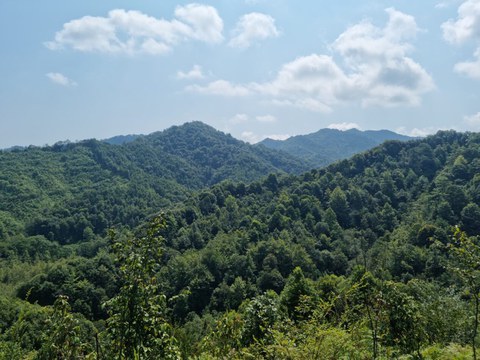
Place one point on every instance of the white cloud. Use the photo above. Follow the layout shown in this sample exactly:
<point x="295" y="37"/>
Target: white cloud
<point x="220" y="88"/>
<point x="266" y="118"/>
<point x="314" y="76"/>
<point x="441" y="5"/>
<point x="473" y="121"/>
<point x="467" y="25"/>
<point x="470" y="68"/>
<point x="465" y="28"/>
<point x="381" y="73"/>
<point x="278" y="136"/>
<point x="60" y="79"/>
<point x="253" y="138"/>
<point x="344" y="126"/>
<point x="375" y="71"/>
<point x="446" y="3"/>
<point x="238" y="119"/>
<point x="243" y="118"/>
<point x="194" y="74"/>
<point x="205" y="23"/>
<point x="419" y="132"/>
<point x="250" y="137"/>
<point x="252" y="28"/>
<point x="133" y="32"/>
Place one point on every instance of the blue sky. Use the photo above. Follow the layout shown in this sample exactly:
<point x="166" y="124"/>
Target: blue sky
<point x="253" y="68"/>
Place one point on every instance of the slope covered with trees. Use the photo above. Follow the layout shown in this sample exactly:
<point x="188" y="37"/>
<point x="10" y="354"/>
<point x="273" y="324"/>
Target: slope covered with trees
<point x="70" y="192"/>
<point x="328" y="145"/>
<point x="372" y="257"/>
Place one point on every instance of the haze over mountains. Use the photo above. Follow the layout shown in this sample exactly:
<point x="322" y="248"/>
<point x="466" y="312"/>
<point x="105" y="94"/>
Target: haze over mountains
<point x="328" y="145"/>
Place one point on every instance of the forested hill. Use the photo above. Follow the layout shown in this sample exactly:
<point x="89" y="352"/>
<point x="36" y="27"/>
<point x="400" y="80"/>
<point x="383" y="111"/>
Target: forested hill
<point x="328" y="145"/>
<point x="218" y="156"/>
<point x="383" y="210"/>
<point x="380" y="209"/>
<point x="69" y="191"/>
<point x="375" y="257"/>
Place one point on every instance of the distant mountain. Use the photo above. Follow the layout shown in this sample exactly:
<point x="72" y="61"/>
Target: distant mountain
<point x="218" y="156"/>
<point x="328" y="145"/>
<point x="69" y="191"/>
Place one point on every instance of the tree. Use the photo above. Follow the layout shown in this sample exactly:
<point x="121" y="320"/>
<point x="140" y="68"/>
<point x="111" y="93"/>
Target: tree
<point x="297" y="289"/>
<point x="368" y="298"/>
<point x="338" y="203"/>
<point x="137" y="326"/>
<point x="466" y="263"/>
<point x="63" y="340"/>
<point x="260" y="316"/>
<point x="471" y="219"/>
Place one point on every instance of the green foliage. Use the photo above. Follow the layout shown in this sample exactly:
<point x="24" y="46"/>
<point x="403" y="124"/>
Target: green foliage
<point x="357" y="260"/>
<point x="137" y="327"/>
<point x="261" y="314"/>
<point x="466" y="253"/>
<point x="63" y="339"/>
<point x="72" y="192"/>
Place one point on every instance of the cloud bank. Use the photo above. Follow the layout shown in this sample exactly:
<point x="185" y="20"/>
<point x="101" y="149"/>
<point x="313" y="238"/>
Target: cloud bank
<point x="374" y="70"/>
<point x="133" y="32"/>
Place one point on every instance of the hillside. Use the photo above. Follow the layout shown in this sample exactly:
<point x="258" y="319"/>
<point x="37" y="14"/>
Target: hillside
<point x="328" y="145"/>
<point x="218" y="156"/>
<point x="358" y="260"/>
<point x="387" y="202"/>
<point x="72" y="191"/>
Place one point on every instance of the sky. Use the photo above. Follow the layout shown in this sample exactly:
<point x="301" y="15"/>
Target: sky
<point x="72" y="70"/>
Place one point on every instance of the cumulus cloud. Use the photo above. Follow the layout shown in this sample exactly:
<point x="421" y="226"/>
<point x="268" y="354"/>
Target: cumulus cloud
<point x="465" y="28"/>
<point x="253" y="138"/>
<point x="244" y="118"/>
<point x="238" y="119"/>
<point x="250" y="137"/>
<point x="419" y="132"/>
<point x="252" y="28"/>
<point x="446" y="3"/>
<point x="60" y="79"/>
<point x="344" y="126"/>
<point x="473" y="121"/>
<point x="266" y="118"/>
<point x="375" y="70"/>
<point x="470" y="68"/>
<point x="205" y="23"/>
<point x="278" y="136"/>
<point x="194" y="74"/>
<point x="133" y="32"/>
<point x="380" y="71"/>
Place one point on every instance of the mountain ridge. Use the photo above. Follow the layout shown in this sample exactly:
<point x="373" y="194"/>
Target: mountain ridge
<point x="328" y="145"/>
<point x="102" y="184"/>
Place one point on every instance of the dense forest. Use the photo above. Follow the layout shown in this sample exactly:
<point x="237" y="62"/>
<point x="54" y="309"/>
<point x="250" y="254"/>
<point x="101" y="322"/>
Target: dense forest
<point x="371" y="257"/>
<point x="69" y="192"/>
